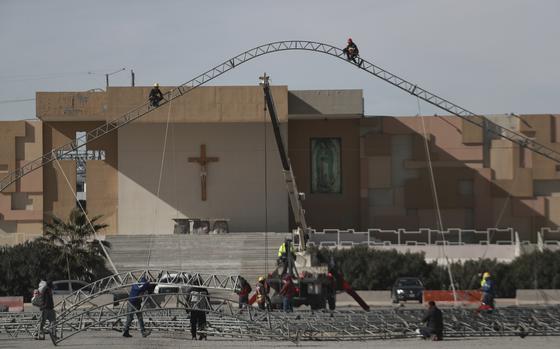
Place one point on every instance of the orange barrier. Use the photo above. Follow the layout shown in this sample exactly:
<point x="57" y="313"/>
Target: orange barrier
<point x="13" y="303"/>
<point x="465" y="296"/>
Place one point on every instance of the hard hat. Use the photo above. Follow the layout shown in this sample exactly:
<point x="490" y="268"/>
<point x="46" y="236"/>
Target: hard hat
<point x="349" y="39"/>
<point x="486" y="275"/>
<point x="156" y="85"/>
<point x="261" y="278"/>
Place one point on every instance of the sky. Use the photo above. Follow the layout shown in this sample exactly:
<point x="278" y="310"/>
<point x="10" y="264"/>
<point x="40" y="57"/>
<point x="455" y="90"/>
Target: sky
<point x="490" y="57"/>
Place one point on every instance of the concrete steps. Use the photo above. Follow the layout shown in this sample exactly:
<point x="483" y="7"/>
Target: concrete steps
<point x="234" y="253"/>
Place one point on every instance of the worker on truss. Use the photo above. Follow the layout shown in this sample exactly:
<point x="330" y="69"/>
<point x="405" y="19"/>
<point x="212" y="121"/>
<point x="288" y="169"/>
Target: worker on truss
<point x="155" y="96"/>
<point x="351" y="51"/>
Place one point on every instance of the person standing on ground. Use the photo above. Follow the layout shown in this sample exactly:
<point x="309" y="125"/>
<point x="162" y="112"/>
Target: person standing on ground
<point x="199" y="304"/>
<point x="262" y="293"/>
<point x="434" y="323"/>
<point x="134" y="305"/>
<point x="243" y="293"/>
<point x="47" y="308"/>
<point x="287" y="292"/>
<point x="488" y="291"/>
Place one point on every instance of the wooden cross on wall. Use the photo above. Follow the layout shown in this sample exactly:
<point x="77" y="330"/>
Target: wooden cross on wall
<point x="203" y="161"/>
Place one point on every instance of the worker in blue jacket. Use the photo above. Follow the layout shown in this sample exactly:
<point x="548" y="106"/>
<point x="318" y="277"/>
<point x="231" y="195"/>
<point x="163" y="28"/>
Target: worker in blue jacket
<point x="134" y="305"/>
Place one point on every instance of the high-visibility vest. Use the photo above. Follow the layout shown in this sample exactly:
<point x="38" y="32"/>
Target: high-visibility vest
<point x="282" y="249"/>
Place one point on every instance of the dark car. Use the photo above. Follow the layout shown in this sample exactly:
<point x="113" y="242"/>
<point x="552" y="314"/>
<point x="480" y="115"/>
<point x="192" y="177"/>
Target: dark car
<point x="408" y="288"/>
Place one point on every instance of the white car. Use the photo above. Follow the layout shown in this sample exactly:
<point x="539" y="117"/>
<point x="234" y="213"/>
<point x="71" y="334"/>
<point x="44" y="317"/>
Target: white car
<point x="172" y="283"/>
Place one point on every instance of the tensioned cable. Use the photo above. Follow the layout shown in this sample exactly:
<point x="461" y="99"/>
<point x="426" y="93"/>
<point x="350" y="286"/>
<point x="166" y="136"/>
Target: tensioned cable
<point x="265" y="191"/>
<point x="436" y="201"/>
<point x="87" y="217"/>
<point x="159" y="184"/>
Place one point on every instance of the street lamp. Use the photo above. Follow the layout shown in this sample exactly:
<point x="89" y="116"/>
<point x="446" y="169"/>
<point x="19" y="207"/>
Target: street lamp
<point x="107" y="76"/>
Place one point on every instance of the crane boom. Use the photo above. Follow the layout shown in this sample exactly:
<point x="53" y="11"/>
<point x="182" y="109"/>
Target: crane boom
<point x="294" y="195"/>
<point x="302" y="45"/>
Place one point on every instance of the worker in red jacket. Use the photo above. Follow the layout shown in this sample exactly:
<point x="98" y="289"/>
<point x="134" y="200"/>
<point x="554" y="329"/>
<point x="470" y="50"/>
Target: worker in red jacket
<point x="287" y="292"/>
<point x="243" y="292"/>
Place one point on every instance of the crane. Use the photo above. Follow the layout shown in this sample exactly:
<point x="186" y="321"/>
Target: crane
<point x="296" y="197"/>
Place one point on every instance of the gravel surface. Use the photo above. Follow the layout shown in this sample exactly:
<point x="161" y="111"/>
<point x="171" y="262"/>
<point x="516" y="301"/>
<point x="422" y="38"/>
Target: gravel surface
<point x="113" y="340"/>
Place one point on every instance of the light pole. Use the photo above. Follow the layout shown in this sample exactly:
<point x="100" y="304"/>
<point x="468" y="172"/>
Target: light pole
<point x="107" y="76"/>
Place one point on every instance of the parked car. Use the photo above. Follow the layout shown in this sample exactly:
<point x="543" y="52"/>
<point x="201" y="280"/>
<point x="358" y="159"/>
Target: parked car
<point x="171" y="283"/>
<point x="66" y="287"/>
<point x="407" y="288"/>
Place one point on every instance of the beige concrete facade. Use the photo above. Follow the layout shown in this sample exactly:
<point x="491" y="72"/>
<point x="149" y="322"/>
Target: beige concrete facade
<point x="235" y="183"/>
<point x="21" y="204"/>
<point x="518" y="189"/>
<point x="384" y="179"/>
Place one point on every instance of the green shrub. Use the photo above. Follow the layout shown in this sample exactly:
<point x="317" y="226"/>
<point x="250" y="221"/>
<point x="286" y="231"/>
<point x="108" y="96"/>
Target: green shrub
<point x="367" y="269"/>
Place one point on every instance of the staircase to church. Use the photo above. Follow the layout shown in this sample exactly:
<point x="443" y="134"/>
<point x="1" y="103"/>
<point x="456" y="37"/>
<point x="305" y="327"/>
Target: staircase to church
<point x="234" y="253"/>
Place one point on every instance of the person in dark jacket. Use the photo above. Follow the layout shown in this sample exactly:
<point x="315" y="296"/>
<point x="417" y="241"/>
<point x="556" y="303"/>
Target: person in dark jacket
<point x="198" y="297"/>
<point x="47" y="310"/>
<point x="155" y="96"/>
<point x="434" y="323"/>
<point x="351" y="51"/>
<point x="134" y="304"/>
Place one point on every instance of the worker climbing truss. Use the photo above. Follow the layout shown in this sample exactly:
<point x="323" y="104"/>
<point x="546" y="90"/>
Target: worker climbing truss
<point x="258" y="51"/>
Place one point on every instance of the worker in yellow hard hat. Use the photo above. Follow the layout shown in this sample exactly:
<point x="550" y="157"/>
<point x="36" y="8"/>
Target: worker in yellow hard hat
<point x="155" y="96"/>
<point x="485" y="276"/>
<point x="262" y="293"/>
<point x="488" y="291"/>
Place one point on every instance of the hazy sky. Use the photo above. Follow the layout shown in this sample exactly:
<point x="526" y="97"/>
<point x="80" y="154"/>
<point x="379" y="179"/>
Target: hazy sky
<point x="488" y="56"/>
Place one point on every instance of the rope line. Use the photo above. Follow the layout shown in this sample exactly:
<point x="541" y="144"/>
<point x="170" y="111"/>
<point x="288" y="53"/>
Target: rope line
<point x="436" y="200"/>
<point x="87" y="217"/>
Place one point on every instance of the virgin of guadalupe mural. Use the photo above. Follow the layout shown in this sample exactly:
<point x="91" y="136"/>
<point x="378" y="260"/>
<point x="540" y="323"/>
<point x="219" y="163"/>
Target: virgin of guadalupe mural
<point x="325" y="165"/>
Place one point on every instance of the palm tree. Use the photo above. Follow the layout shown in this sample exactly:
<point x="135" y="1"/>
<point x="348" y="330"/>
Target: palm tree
<point x="82" y="252"/>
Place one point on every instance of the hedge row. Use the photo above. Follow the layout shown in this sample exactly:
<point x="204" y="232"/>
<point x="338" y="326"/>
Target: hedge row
<point x="368" y="269"/>
<point x="23" y="266"/>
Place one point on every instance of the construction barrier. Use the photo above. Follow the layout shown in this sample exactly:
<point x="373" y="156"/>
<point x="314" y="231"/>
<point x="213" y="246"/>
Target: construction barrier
<point x="464" y="296"/>
<point x="13" y="304"/>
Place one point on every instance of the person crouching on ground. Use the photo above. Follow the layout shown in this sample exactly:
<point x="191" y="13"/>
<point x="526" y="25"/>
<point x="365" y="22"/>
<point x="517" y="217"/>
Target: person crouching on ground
<point x="434" y="323"/>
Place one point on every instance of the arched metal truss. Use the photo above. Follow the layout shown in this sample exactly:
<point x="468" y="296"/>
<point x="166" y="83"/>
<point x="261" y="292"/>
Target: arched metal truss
<point x="121" y="282"/>
<point x="272" y="47"/>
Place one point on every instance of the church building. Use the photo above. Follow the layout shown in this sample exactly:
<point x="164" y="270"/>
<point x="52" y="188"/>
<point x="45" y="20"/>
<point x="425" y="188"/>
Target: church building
<point x="212" y="155"/>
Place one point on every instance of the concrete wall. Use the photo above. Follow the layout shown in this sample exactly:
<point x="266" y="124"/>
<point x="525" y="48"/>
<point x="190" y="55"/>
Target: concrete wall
<point x="203" y="104"/>
<point x="328" y="210"/>
<point x="235" y="183"/>
<point x="21" y="204"/>
<point x="518" y="188"/>
<point x="101" y="177"/>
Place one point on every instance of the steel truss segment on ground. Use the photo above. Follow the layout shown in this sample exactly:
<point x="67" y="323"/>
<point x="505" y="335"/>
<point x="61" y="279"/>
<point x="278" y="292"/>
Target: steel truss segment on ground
<point x="123" y="281"/>
<point x="169" y="313"/>
<point x="232" y="63"/>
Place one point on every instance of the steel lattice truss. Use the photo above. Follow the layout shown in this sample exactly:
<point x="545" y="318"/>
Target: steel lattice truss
<point x="279" y="46"/>
<point x="170" y="314"/>
<point x="122" y="281"/>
